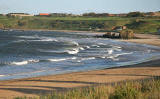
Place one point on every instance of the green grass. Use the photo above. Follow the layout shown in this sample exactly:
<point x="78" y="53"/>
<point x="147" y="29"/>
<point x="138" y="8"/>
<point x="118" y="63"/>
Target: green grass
<point x="150" y="25"/>
<point x="144" y="89"/>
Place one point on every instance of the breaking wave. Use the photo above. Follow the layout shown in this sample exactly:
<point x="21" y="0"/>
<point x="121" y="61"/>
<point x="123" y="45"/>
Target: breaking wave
<point x="73" y="51"/>
<point x="24" y="62"/>
<point x="43" y="60"/>
<point x="2" y="75"/>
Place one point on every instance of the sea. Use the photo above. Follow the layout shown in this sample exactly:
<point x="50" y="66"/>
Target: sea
<point x="25" y="54"/>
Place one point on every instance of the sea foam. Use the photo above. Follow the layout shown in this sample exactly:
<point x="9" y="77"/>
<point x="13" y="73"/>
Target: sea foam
<point x="24" y="62"/>
<point x="61" y="59"/>
<point x="2" y="75"/>
<point x="73" y="51"/>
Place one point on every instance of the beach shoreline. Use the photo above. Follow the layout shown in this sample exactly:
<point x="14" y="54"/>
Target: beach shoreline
<point x="51" y="30"/>
<point x="32" y="87"/>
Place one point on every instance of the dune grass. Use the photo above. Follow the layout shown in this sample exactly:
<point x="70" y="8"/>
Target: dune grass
<point x="143" y="89"/>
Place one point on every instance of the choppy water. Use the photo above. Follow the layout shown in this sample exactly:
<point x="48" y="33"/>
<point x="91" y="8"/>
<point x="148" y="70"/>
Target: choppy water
<point x="35" y="53"/>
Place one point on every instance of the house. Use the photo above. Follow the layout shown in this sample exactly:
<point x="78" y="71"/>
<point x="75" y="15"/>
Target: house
<point x="19" y="14"/>
<point x="111" y="15"/>
<point x="119" y="28"/>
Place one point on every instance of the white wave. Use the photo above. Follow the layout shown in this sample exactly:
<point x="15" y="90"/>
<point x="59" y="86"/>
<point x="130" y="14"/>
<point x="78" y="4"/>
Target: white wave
<point x="33" y="61"/>
<point x="75" y="43"/>
<point x="117" y="48"/>
<point x="95" y="46"/>
<point x="57" y="60"/>
<point x="45" y="39"/>
<point x="24" y="62"/>
<point x="81" y="48"/>
<point x="2" y="75"/>
<point x="110" y="51"/>
<point x="50" y="51"/>
<point x="73" y="58"/>
<point x="103" y="57"/>
<point x="114" y="56"/>
<point x="61" y="59"/>
<point x="117" y="55"/>
<point x="29" y="37"/>
<point x="101" y="44"/>
<point x="87" y="47"/>
<point x="40" y="38"/>
<point x="90" y="58"/>
<point x="73" y="51"/>
<point x="19" y="63"/>
<point x="19" y="41"/>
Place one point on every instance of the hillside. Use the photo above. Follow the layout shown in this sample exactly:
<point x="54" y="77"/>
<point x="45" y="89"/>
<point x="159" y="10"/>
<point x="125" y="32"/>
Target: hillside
<point x="143" y="25"/>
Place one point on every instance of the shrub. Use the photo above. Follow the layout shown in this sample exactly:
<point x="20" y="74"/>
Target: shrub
<point x="127" y="91"/>
<point x="1" y="26"/>
<point x="135" y="14"/>
<point x="22" y="22"/>
<point x="126" y="34"/>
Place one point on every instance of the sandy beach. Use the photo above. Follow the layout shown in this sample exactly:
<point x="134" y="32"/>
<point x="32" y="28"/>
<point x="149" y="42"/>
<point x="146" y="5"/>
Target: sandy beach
<point x="146" y="39"/>
<point x="41" y="85"/>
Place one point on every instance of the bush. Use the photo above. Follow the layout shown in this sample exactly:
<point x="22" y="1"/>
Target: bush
<point x="127" y="91"/>
<point x="135" y="14"/>
<point x="1" y="26"/>
<point x="22" y="22"/>
<point x="127" y="34"/>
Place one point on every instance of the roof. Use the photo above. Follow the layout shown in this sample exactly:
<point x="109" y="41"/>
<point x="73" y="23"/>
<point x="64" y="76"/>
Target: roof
<point x="44" y="14"/>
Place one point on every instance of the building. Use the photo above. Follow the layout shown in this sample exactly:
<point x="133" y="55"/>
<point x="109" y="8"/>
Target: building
<point x="121" y="15"/>
<point x="119" y="28"/>
<point x="44" y="14"/>
<point x="20" y="14"/>
<point x="111" y="15"/>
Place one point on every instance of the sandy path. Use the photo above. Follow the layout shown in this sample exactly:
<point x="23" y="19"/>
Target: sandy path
<point x="46" y="84"/>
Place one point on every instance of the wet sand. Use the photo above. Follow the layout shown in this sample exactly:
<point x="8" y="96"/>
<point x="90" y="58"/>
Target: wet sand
<point x="45" y="84"/>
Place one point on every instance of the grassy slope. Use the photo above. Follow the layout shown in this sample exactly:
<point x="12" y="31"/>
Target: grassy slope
<point x="150" y="25"/>
<point x="148" y="89"/>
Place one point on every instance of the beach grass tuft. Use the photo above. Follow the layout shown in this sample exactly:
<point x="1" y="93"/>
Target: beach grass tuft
<point x="141" y="89"/>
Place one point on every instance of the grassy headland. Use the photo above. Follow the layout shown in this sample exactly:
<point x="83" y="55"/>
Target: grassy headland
<point x="137" y="24"/>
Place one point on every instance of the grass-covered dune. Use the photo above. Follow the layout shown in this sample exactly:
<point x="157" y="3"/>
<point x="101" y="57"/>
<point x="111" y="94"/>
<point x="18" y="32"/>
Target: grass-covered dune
<point x="142" y="89"/>
<point x="138" y="24"/>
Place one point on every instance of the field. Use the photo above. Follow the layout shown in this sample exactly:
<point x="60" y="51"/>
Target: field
<point x="137" y="24"/>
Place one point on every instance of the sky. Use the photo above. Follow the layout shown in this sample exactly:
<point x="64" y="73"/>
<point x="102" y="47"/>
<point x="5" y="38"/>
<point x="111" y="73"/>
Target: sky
<point x="78" y="6"/>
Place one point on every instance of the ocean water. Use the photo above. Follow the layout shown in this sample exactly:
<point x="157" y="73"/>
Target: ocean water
<point x="26" y="54"/>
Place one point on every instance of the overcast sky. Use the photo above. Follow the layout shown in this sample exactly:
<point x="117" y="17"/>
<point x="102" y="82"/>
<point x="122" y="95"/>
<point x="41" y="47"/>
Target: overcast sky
<point x="78" y="6"/>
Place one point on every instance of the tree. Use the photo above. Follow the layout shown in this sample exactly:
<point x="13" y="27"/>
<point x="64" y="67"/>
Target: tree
<point x="135" y="14"/>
